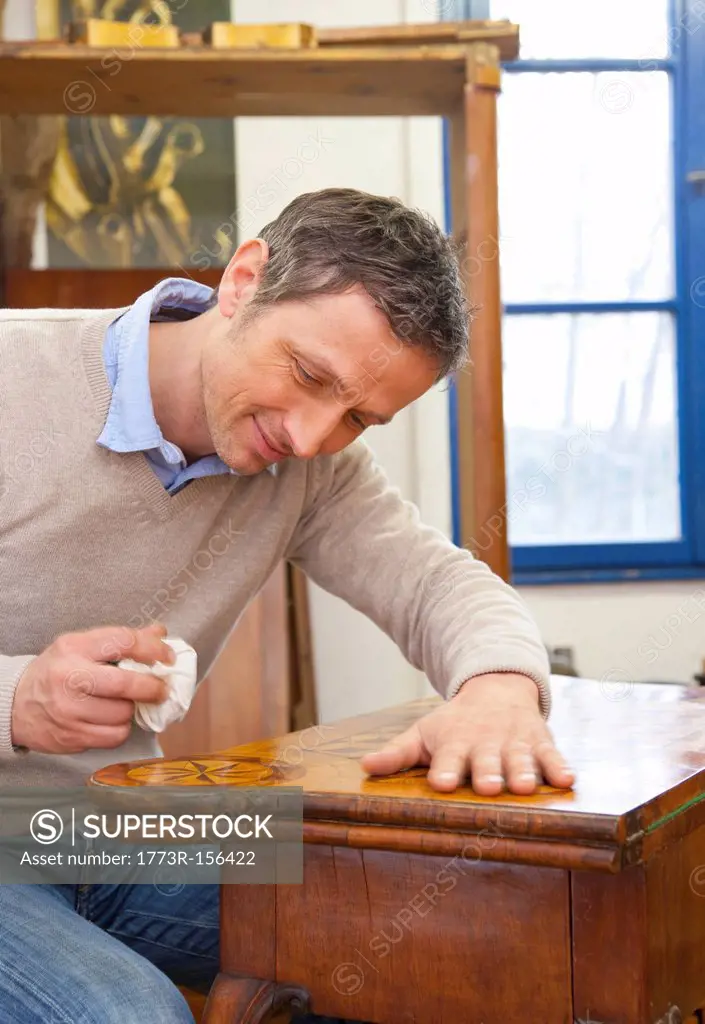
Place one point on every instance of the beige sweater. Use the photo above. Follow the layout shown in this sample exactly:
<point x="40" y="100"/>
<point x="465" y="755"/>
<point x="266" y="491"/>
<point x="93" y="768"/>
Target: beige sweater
<point x="90" y="537"/>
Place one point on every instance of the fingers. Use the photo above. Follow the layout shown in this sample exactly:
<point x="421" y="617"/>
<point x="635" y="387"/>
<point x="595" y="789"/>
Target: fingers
<point x="113" y="643"/>
<point x="448" y="767"/>
<point x="486" y="770"/>
<point x="404" y="751"/>
<point x="99" y="737"/>
<point x="521" y="769"/>
<point x="490" y="768"/>
<point x="106" y="712"/>
<point x="131" y="685"/>
<point x="113" y="683"/>
<point x="553" y="765"/>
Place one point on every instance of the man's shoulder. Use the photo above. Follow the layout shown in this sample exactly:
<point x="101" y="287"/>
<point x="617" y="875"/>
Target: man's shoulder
<point x="53" y="328"/>
<point x="49" y="315"/>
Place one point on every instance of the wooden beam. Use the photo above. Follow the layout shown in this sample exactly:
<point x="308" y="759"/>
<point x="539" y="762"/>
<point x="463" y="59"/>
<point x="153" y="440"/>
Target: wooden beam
<point x="27" y="152"/>
<point x="60" y="78"/>
<point x="502" y="34"/>
<point x="463" y="381"/>
<point x="485" y="527"/>
<point x="304" y="705"/>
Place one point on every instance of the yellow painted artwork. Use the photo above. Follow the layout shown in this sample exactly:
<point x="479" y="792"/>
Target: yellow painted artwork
<point x="119" y="193"/>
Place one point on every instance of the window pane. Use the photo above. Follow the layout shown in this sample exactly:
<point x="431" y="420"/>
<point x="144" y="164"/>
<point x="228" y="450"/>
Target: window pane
<point x="600" y="28"/>
<point x="591" y="414"/>
<point x="585" y="187"/>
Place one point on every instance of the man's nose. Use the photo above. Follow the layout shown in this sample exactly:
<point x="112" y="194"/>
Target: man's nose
<point x="311" y="427"/>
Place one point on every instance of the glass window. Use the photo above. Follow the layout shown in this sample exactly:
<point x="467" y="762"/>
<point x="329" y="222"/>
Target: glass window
<point x="600" y="28"/>
<point x="592" y="439"/>
<point x="585" y="187"/>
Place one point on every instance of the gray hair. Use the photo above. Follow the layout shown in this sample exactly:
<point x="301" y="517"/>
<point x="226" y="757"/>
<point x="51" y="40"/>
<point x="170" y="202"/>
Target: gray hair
<point x="327" y="242"/>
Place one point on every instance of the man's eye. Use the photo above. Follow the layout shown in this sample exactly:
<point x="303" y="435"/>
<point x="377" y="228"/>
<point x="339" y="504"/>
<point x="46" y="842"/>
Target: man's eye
<point x="304" y="375"/>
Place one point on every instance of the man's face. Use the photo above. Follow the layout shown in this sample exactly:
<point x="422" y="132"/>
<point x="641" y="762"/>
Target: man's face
<point x="306" y="378"/>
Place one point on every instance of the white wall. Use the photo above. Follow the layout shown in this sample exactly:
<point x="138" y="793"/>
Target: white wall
<point x="19" y="20"/>
<point x="357" y="667"/>
<point x="626" y="631"/>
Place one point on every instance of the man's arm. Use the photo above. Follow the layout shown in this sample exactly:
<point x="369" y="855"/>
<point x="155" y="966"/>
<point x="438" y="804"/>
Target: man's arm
<point x="450" y="616"/>
<point x="447" y="612"/>
<point x="12" y="668"/>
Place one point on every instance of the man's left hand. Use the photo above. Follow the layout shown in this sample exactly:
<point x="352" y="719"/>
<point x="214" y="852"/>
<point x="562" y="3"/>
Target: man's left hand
<point x="491" y="733"/>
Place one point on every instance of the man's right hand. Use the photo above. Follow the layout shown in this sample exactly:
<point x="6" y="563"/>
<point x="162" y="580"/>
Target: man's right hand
<point x="71" y="699"/>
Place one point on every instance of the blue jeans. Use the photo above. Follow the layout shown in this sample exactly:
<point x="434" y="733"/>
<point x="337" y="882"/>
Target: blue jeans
<point x="106" y="954"/>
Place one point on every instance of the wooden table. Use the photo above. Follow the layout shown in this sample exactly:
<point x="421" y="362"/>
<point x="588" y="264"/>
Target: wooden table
<point x="585" y="906"/>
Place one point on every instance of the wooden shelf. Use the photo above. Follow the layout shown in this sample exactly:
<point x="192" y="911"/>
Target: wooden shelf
<point x="502" y="34"/>
<point x="59" y="78"/>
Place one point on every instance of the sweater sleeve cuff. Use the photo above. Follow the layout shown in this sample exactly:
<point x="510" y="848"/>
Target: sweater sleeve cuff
<point x="541" y="680"/>
<point x="11" y="670"/>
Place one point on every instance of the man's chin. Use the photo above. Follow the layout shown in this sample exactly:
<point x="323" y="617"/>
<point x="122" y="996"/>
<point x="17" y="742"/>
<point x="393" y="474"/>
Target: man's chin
<point x="248" y="469"/>
<point x="248" y="466"/>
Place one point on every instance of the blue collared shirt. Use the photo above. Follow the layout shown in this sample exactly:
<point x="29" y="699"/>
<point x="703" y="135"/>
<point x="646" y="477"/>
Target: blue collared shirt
<point x="131" y="425"/>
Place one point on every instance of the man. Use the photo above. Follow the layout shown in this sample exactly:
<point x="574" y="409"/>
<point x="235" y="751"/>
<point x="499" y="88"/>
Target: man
<point x="237" y="416"/>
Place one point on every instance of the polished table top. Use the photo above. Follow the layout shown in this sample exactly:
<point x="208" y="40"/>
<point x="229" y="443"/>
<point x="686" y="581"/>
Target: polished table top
<point x="638" y="752"/>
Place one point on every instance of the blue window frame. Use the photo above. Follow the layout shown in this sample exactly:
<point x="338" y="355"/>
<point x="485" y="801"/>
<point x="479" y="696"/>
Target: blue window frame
<point x="684" y="554"/>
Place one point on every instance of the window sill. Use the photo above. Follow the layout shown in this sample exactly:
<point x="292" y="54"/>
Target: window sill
<point x="553" y="577"/>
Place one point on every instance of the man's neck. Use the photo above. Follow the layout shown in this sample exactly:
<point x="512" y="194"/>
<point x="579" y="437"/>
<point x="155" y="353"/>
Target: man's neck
<point x="175" y="385"/>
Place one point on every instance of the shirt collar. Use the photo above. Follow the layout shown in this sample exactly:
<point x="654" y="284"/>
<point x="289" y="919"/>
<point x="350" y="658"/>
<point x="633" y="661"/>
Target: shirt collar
<point x="131" y="424"/>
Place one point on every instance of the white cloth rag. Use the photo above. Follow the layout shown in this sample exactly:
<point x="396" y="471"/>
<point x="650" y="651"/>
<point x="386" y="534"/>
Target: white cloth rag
<point x="181" y="679"/>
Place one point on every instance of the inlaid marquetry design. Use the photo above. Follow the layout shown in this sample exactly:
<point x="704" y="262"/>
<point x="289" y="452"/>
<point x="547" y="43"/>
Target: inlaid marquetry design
<point x="214" y="771"/>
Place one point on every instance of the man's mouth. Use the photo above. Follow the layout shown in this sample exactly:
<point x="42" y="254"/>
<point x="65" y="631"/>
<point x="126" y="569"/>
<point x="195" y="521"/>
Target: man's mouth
<point x="266" y="447"/>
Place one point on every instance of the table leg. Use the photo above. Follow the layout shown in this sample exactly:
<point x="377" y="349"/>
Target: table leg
<point x="236" y="1000"/>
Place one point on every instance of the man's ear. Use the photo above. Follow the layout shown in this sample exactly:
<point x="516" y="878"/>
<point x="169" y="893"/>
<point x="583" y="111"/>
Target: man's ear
<point x="242" y="276"/>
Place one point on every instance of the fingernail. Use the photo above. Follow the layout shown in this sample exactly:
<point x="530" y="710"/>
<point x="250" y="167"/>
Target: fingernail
<point x="528" y="776"/>
<point x="493" y="780"/>
<point x="447" y="777"/>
